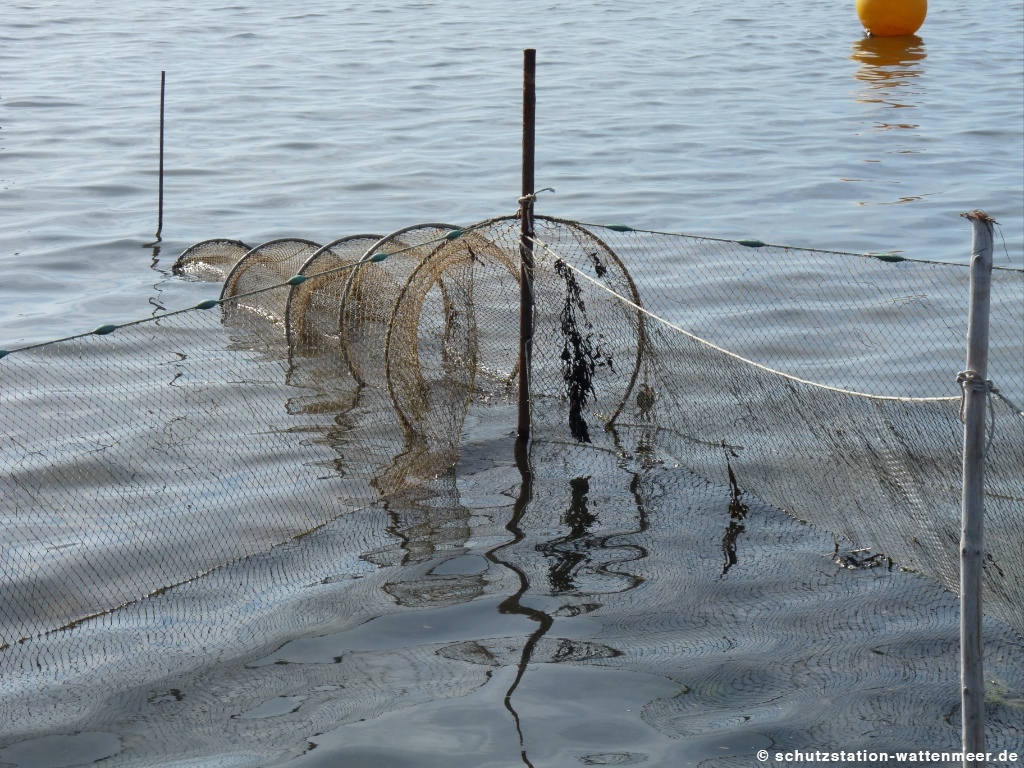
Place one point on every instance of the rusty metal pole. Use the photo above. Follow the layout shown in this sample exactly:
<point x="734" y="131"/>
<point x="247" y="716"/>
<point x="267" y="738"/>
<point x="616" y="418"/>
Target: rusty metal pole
<point x="526" y="244"/>
<point x="975" y="384"/>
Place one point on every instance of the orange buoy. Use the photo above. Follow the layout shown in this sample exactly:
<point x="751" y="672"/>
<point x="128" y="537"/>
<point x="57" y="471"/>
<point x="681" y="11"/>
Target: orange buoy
<point x="888" y="18"/>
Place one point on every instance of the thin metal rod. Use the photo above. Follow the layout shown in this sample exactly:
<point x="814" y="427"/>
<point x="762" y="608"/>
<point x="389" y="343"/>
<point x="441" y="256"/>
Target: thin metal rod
<point x="973" y="503"/>
<point x="526" y="244"/>
<point x="160" y="197"/>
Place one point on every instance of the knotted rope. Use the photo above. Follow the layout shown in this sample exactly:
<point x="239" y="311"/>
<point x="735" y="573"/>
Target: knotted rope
<point x="972" y="380"/>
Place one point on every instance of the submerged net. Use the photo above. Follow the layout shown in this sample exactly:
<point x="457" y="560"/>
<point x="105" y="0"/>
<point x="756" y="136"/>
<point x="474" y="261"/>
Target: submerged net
<point x="307" y="454"/>
<point x="847" y="451"/>
<point x="131" y="468"/>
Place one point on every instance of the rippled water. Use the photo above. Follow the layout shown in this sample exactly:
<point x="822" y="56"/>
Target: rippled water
<point x="672" y="619"/>
<point x="330" y="119"/>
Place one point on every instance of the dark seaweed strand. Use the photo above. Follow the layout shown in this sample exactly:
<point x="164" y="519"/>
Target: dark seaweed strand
<point x="580" y="356"/>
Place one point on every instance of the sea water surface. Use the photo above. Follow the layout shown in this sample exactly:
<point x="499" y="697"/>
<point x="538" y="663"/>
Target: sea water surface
<point x="323" y="119"/>
<point x="316" y="120"/>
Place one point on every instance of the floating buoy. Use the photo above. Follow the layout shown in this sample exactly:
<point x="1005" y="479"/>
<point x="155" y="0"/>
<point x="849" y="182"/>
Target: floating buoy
<point x="888" y="18"/>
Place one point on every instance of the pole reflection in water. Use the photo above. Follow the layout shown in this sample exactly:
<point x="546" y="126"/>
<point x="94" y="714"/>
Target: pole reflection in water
<point x="583" y="564"/>
<point x="513" y="603"/>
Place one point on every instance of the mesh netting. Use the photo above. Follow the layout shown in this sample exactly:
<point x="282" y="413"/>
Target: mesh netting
<point x="306" y="457"/>
<point x="663" y="624"/>
<point x="400" y="348"/>
<point x="211" y="259"/>
<point x="311" y="316"/>
<point x="884" y="471"/>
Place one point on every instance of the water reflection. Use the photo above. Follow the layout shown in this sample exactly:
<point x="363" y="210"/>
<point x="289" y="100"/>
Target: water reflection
<point x="737" y="515"/>
<point x="890" y="86"/>
<point x="569" y="552"/>
<point x="888" y="69"/>
<point x="513" y="604"/>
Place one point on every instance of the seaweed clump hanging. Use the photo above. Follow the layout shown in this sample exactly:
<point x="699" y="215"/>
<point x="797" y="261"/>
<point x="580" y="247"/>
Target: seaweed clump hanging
<point x="581" y="356"/>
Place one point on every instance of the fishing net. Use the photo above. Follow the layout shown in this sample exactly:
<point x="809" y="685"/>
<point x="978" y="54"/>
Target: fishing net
<point x="311" y="315"/>
<point x="314" y="454"/>
<point x="210" y="260"/>
<point x="626" y="590"/>
<point x="844" y="451"/>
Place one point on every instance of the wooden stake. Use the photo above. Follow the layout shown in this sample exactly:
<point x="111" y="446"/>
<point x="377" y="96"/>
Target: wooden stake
<point x="526" y="244"/>
<point x="975" y="394"/>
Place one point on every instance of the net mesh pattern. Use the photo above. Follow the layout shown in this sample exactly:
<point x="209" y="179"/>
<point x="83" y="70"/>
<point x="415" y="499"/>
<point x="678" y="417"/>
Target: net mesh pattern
<point x="268" y="264"/>
<point x="882" y="470"/>
<point x="755" y="626"/>
<point x="305" y="457"/>
<point x="210" y="260"/>
<point x="114" y="455"/>
<point x="311" y="315"/>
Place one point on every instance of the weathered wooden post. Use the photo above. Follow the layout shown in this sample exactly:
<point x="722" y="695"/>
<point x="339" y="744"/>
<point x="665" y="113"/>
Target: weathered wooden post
<point x="975" y="385"/>
<point x="526" y="244"/>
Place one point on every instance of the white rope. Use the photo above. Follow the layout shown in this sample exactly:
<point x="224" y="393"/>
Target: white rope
<point x="733" y="355"/>
<point x="532" y="197"/>
<point x="972" y="380"/>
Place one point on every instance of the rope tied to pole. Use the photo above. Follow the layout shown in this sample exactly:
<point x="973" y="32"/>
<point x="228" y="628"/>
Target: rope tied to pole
<point x="972" y="380"/>
<point x="532" y="197"/>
